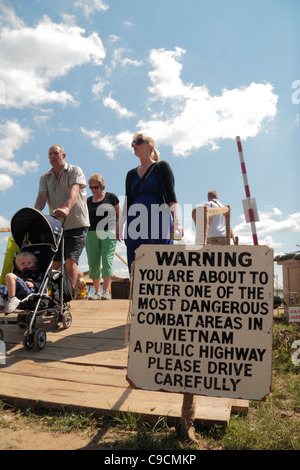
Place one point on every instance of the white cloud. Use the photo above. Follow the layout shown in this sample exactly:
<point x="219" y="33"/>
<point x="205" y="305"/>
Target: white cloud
<point x="165" y="76"/>
<point x="32" y="57"/>
<point x="98" y="87"/>
<point x="109" y="144"/>
<point x="123" y="139"/>
<point x="135" y="63"/>
<point x="198" y="119"/>
<point x="9" y="17"/>
<point x="111" y="103"/>
<point x="12" y="138"/>
<point x="118" y="59"/>
<point x="105" y="143"/>
<point x="112" y="38"/>
<point x="6" y="182"/>
<point x="128" y="23"/>
<point x="4" y="223"/>
<point x="186" y="116"/>
<point x="89" y="7"/>
<point x="267" y="227"/>
<point x="42" y="116"/>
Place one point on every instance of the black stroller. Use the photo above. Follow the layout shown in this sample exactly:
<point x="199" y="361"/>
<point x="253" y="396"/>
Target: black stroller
<point x="41" y="234"/>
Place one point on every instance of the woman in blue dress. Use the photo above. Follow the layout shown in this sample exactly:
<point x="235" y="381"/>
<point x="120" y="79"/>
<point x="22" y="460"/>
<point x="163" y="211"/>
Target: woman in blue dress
<point x="152" y="209"/>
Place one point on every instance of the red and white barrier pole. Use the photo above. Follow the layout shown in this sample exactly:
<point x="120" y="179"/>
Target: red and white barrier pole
<point x="247" y="191"/>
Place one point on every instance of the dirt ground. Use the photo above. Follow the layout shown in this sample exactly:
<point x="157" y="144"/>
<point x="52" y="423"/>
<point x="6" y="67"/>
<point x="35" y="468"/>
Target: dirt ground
<point x="28" y="439"/>
<point x="31" y="439"/>
<point x="15" y="435"/>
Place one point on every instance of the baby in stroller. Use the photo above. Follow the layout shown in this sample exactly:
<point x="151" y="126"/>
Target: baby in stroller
<point x="24" y="280"/>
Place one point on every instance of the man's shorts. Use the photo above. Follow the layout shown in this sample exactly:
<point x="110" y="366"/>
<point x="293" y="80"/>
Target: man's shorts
<point x="74" y="244"/>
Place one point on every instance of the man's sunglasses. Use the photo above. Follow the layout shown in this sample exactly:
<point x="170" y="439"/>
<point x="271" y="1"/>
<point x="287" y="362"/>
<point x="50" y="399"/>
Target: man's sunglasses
<point x="94" y="187"/>
<point x="139" y="141"/>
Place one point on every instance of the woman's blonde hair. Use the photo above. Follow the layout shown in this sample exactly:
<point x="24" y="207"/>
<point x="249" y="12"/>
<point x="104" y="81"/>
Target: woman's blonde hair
<point x="154" y="153"/>
<point x="97" y="179"/>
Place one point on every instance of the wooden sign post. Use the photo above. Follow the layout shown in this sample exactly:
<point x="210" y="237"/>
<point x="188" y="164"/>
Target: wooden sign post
<point x="202" y="320"/>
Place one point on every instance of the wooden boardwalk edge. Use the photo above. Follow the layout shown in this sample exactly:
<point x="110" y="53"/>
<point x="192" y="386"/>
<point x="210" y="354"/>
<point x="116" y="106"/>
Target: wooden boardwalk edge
<point x="84" y="368"/>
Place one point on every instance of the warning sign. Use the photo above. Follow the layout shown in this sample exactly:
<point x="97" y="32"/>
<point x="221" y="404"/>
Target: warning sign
<point x="202" y="320"/>
<point x="294" y="314"/>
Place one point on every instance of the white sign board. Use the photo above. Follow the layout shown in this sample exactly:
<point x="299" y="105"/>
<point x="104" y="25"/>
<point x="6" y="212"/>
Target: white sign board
<point x="294" y="314"/>
<point x="202" y="320"/>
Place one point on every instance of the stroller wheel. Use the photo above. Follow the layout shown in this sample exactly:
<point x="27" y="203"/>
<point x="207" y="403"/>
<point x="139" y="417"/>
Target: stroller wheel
<point x="28" y="340"/>
<point x="40" y="339"/>
<point x="67" y="319"/>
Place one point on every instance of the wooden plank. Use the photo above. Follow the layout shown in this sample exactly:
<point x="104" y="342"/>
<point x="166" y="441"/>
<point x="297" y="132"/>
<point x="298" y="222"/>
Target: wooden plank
<point x="109" y="400"/>
<point x="97" y="375"/>
<point x="125" y="397"/>
<point x="85" y="367"/>
<point x="107" y="357"/>
<point x="239" y="405"/>
<point x="111" y="377"/>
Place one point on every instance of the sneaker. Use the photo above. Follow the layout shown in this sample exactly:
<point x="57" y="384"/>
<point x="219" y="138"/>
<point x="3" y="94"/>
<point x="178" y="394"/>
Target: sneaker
<point x="12" y="305"/>
<point x="105" y="295"/>
<point x="95" y="296"/>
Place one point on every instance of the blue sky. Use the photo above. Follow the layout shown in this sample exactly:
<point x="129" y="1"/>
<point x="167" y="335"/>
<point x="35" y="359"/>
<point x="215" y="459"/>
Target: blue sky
<point x="193" y="74"/>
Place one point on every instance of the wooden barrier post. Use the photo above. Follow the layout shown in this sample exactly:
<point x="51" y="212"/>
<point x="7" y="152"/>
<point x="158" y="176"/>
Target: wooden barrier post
<point x="200" y="216"/>
<point x="188" y="412"/>
<point x="249" y="201"/>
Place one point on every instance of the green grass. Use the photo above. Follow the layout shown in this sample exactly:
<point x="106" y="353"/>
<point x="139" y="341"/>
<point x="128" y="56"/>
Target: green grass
<point x="273" y="424"/>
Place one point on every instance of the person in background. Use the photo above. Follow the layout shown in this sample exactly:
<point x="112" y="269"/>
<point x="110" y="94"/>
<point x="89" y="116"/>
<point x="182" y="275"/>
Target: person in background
<point x="216" y="234"/>
<point x="152" y="209"/>
<point x="104" y="213"/>
<point x="80" y="287"/>
<point x="63" y="187"/>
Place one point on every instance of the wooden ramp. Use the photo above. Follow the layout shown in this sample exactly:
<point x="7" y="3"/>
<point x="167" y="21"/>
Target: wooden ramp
<point x="85" y="367"/>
